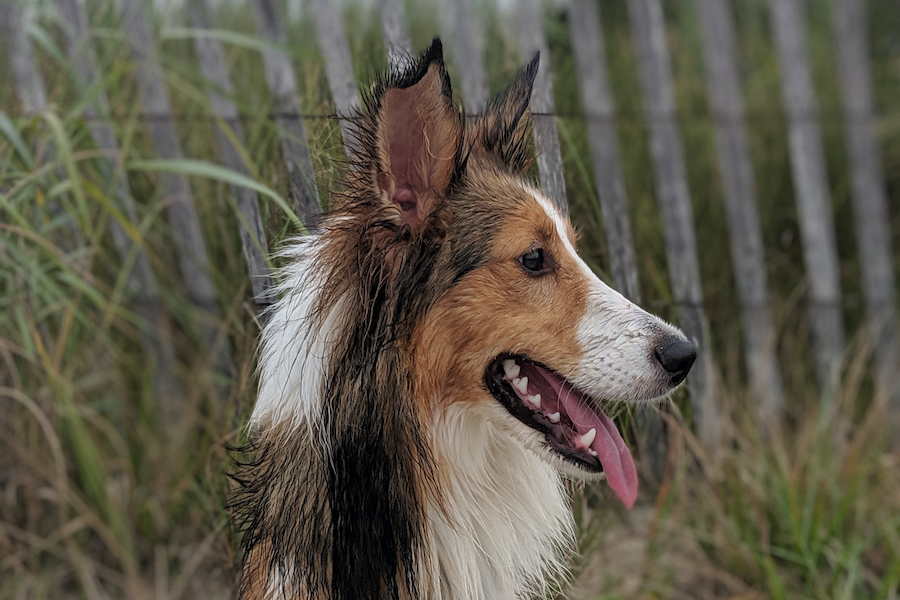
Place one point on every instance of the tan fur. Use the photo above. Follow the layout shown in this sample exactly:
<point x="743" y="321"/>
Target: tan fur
<point x="533" y="316"/>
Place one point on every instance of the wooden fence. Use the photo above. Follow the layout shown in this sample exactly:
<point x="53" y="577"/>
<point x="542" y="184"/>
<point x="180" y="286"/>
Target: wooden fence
<point x="466" y="45"/>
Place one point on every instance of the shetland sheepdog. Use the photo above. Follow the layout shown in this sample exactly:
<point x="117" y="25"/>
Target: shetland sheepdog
<point x="440" y="358"/>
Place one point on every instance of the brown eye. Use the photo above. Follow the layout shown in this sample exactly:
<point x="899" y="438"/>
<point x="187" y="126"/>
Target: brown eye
<point x="533" y="261"/>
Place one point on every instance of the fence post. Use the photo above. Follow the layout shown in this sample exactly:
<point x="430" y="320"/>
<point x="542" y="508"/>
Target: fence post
<point x="31" y="93"/>
<point x="811" y="186"/>
<point x="468" y="53"/>
<point x="870" y="202"/>
<point x="396" y="35"/>
<point x="253" y="235"/>
<point x="193" y="258"/>
<point x="282" y="85"/>
<point x="338" y="63"/>
<point x="28" y="81"/>
<point x="154" y="334"/>
<point x="597" y="102"/>
<point x="744" y="233"/>
<point x="546" y="137"/>
<point x="675" y="206"/>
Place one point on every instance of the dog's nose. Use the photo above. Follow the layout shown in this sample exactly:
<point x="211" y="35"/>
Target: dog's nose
<point x="676" y="355"/>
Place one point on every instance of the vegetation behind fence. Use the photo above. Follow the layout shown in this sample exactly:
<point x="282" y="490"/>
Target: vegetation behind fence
<point x="730" y="165"/>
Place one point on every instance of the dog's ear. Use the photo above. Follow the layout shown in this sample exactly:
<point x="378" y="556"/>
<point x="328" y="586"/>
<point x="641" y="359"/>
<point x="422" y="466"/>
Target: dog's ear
<point x="418" y="138"/>
<point x="505" y="127"/>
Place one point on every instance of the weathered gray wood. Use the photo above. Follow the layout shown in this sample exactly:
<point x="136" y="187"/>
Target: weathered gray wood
<point x="396" y="35"/>
<point x="282" y="83"/>
<point x="193" y="258"/>
<point x="338" y="62"/>
<point x="744" y="233"/>
<point x="675" y="206"/>
<point x="811" y="188"/>
<point x="220" y="92"/>
<point x="597" y="102"/>
<point x="870" y="202"/>
<point x="468" y="53"/>
<point x="141" y="284"/>
<point x="29" y="83"/>
<point x="32" y="97"/>
<point x="546" y="137"/>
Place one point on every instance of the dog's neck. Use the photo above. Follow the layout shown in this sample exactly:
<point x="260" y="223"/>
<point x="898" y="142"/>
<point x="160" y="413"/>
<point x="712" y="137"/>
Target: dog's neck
<point x="498" y="526"/>
<point x="504" y="529"/>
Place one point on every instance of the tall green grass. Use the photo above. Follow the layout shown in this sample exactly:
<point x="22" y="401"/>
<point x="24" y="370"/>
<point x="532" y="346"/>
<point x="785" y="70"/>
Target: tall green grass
<point x="98" y="498"/>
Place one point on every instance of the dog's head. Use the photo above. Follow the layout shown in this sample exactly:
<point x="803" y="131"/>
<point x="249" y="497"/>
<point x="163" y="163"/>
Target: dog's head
<point x="501" y="312"/>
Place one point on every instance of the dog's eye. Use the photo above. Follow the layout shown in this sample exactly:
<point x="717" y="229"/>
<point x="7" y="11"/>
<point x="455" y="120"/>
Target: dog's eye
<point x="533" y="261"/>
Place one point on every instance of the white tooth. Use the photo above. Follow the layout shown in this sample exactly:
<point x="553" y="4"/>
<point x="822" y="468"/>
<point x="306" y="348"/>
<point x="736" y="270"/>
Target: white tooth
<point x="593" y="452"/>
<point x="511" y="368"/>
<point x="554" y="417"/>
<point x="521" y="385"/>
<point x="536" y="400"/>
<point x="588" y="438"/>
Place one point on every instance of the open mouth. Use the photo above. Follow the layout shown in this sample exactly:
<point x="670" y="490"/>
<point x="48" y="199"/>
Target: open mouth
<point x="573" y="424"/>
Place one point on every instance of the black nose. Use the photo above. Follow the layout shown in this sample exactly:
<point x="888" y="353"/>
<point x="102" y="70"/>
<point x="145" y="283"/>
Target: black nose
<point x="676" y="355"/>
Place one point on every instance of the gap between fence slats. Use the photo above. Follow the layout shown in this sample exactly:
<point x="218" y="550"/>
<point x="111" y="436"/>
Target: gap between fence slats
<point x="220" y="91"/>
<point x="546" y="136"/>
<point x="141" y="284"/>
<point x="744" y="232"/>
<point x="282" y="83"/>
<point x="675" y="207"/>
<point x="811" y="189"/>
<point x="870" y="203"/>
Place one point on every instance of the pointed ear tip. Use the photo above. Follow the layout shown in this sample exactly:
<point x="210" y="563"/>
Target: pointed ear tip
<point x="435" y="52"/>
<point x="534" y="63"/>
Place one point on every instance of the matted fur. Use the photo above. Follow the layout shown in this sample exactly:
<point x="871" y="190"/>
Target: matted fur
<point x="383" y="467"/>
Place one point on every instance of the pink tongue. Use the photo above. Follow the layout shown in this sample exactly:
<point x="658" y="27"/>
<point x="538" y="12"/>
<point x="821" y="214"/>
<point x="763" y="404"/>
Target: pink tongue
<point x="608" y="443"/>
<point x="616" y="460"/>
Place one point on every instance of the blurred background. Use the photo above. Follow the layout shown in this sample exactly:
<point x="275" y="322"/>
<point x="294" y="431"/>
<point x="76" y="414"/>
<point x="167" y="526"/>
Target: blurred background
<point x="733" y="166"/>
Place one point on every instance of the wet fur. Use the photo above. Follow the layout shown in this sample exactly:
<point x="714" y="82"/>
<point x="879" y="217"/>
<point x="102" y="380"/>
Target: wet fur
<point x="360" y="486"/>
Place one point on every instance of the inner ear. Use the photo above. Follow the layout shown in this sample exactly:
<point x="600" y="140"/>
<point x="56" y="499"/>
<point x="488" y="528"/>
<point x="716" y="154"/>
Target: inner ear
<point x="419" y="137"/>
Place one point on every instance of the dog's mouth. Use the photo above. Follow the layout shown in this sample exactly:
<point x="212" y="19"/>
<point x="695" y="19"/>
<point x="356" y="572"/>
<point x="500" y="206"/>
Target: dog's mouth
<point x="574" y="425"/>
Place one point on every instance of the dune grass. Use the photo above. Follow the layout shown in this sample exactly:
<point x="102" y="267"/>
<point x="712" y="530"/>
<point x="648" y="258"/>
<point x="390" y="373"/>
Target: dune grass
<point x="101" y="499"/>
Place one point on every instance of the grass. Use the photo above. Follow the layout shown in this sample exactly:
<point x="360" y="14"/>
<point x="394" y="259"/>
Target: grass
<point x="100" y="499"/>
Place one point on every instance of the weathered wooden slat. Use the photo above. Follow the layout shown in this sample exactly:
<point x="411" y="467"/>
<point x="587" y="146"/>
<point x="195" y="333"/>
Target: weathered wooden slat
<point x="396" y="34"/>
<point x="155" y="340"/>
<point x="31" y="92"/>
<point x="338" y="62"/>
<point x="468" y="53"/>
<point x="811" y="188"/>
<point x="29" y="83"/>
<point x="675" y="208"/>
<point x="870" y="202"/>
<point x="597" y="102"/>
<point x="193" y="258"/>
<point x="253" y="235"/>
<point x="282" y="83"/>
<point x="744" y="232"/>
<point x="546" y="137"/>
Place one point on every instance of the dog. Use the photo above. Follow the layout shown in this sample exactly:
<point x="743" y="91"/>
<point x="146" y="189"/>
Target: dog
<point x="439" y="360"/>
